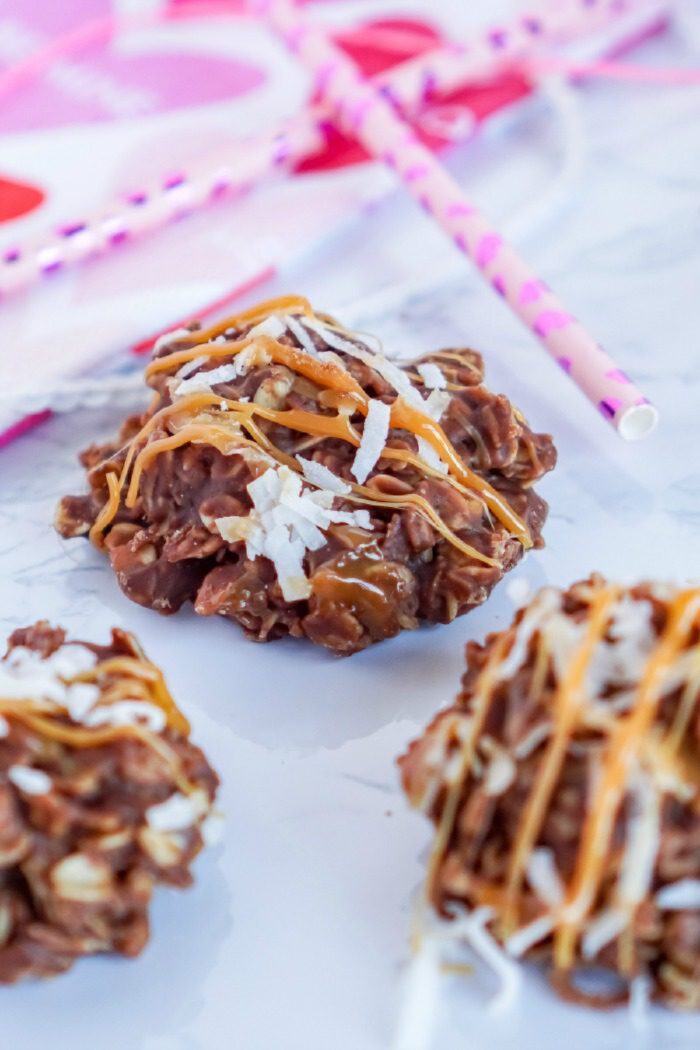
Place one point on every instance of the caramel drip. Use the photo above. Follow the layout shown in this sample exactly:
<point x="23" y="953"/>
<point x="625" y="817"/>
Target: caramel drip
<point x="368" y="497"/>
<point x="72" y="736"/>
<point x="360" y="580"/>
<point x="328" y="377"/>
<point x="118" y="678"/>
<point x="325" y="374"/>
<point x="295" y="419"/>
<point x="630" y="739"/>
<point x="568" y="702"/>
<point x="402" y="455"/>
<point x="284" y="304"/>
<point x="110" y="509"/>
<point x="407" y="418"/>
<point x="624" y="741"/>
<point x="479" y="707"/>
<point x="129" y="667"/>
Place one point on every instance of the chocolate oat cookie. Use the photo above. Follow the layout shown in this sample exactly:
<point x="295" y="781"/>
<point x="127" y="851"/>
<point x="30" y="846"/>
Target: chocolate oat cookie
<point x="102" y="797"/>
<point x="565" y="788"/>
<point x="289" y="476"/>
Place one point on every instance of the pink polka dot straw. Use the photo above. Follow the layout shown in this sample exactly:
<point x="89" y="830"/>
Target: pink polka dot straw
<point x="192" y="188"/>
<point x="365" y="113"/>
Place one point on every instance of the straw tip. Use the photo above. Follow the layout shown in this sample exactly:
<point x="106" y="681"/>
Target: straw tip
<point x="637" y="422"/>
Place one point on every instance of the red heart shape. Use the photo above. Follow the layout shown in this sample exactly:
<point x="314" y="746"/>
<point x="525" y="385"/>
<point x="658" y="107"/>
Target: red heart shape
<point x="17" y="198"/>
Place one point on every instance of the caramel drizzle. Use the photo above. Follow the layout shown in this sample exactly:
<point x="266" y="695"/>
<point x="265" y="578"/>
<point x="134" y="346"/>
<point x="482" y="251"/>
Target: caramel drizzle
<point x="119" y="678"/>
<point x="627" y="737"/>
<point x="482" y="698"/>
<point x="568" y="703"/>
<point x="329" y="375"/>
<point x="288" y="304"/>
<point x="332" y="380"/>
<point x="623" y="743"/>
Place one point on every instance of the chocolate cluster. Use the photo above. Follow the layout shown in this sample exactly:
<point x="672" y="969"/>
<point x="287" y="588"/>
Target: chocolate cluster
<point x="102" y="798"/>
<point x="398" y="533"/>
<point x="564" y="785"/>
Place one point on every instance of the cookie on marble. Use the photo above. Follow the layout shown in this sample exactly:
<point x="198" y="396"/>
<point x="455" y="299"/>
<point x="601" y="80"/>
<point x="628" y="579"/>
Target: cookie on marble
<point x="291" y="477"/>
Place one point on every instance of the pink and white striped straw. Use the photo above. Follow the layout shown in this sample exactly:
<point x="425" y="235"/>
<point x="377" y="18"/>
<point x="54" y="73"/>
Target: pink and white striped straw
<point x="409" y="85"/>
<point x="365" y="113"/>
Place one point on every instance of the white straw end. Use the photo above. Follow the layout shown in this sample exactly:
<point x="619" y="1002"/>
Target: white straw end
<point x="637" y="422"/>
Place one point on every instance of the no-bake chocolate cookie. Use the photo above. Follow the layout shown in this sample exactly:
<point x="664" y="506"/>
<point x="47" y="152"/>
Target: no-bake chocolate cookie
<point x="289" y="476"/>
<point x="564" y="785"/>
<point x="102" y="797"/>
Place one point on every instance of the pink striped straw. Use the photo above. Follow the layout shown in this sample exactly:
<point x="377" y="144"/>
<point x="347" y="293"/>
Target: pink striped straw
<point x="364" y="112"/>
<point x="153" y="207"/>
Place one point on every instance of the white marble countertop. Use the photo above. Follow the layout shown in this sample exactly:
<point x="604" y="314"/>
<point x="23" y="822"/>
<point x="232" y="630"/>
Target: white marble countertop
<point x="296" y="932"/>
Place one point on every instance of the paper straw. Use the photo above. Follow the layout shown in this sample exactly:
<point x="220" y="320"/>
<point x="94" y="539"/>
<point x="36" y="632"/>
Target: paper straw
<point x="148" y="209"/>
<point x="650" y="76"/>
<point x="365" y="113"/>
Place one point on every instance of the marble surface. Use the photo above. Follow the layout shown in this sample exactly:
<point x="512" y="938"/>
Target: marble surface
<point x="296" y="933"/>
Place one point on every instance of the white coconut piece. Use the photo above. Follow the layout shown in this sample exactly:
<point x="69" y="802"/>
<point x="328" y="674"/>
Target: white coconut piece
<point x="679" y="896"/>
<point x="543" y="876"/>
<point x="301" y="335"/>
<point x="178" y="812"/>
<point x="203" y="382"/>
<point x="432" y="375"/>
<point x="321" y="476"/>
<point x="128" y="713"/>
<point x="273" y="326"/>
<point x="30" y="781"/>
<point x="176" y="336"/>
<point x="190" y="367"/>
<point x="374" y="438"/>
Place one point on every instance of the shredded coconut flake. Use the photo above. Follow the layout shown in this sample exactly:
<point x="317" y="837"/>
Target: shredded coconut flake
<point x="428" y="454"/>
<point x="679" y="896"/>
<point x="319" y="475"/>
<point x="172" y="337"/>
<point x="273" y="326"/>
<point x="436" y="404"/>
<point x="543" y="876"/>
<point x="81" y="698"/>
<point x="26" y="675"/>
<point x="540" y="613"/>
<point x="128" y="713"/>
<point x="393" y="375"/>
<point x="190" y="367"/>
<point x="525" y="938"/>
<point x="71" y="660"/>
<point x="243" y="360"/>
<point x="301" y="335"/>
<point x="374" y="438"/>
<point x="203" y="382"/>
<point x="473" y="929"/>
<point x="285" y="522"/>
<point x="432" y="375"/>
<point x="604" y="928"/>
<point x="532" y="740"/>
<point x="179" y="812"/>
<point x="642" y="842"/>
<point x="500" y="772"/>
<point x="30" y="781"/>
